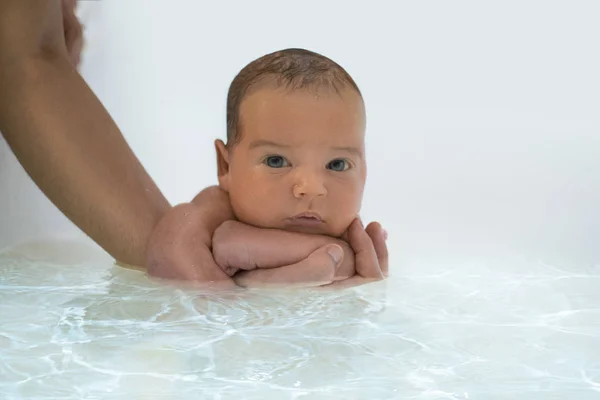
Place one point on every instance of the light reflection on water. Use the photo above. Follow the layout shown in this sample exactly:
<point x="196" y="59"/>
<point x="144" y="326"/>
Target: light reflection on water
<point x="75" y="326"/>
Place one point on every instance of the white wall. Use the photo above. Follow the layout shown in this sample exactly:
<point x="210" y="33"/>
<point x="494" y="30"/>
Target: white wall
<point x="484" y="117"/>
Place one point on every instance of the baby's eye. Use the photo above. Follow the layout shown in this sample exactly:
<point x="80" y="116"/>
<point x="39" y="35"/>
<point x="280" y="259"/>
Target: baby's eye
<point x="338" y="165"/>
<point x="275" y="162"/>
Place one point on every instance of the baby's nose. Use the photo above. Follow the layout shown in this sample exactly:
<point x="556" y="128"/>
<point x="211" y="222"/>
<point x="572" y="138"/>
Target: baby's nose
<point x="309" y="186"/>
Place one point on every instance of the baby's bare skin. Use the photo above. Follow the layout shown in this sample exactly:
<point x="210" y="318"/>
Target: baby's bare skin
<point x="237" y="246"/>
<point x="180" y="248"/>
<point x="294" y="171"/>
<point x="254" y="256"/>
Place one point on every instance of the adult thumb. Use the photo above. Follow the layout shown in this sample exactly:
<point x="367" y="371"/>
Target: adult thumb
<point x="336" y="254"/>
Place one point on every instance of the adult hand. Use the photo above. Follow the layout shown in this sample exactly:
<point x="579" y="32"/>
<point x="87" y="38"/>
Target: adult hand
<point x="33" y="27"/>
<point x="370" y="262"/>
<point x="180" y="249"/>
<point x="370" y="254"/>
<point x="73" y="31"/>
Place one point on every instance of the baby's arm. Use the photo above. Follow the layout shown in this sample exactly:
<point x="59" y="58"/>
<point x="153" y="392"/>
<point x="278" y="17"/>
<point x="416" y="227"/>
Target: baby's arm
<point x="237" y="246"/>
<point x="181" y="248"/>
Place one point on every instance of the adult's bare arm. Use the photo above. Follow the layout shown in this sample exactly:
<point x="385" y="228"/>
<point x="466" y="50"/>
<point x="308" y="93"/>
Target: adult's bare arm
<point x="66" y="140"/>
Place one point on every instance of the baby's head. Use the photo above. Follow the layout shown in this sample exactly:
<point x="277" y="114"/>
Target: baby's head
<point x="295" y="153"/>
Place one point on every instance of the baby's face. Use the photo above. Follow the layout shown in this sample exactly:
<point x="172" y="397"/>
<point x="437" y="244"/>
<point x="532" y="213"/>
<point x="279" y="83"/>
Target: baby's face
<point x="300" y="165"/>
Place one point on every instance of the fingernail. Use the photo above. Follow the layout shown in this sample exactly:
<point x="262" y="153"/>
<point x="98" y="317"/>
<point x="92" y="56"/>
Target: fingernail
<point x="336" y="253"/>
<point x="360" y="222"/>
<point x="385" y="235"/>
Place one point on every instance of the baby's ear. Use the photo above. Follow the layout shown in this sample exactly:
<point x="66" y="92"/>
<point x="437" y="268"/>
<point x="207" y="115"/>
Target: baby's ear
<point x="222" y="164"/>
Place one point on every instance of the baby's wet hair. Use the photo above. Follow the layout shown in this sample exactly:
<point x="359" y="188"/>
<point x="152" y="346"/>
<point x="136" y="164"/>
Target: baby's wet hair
<point x="294" y="69"/>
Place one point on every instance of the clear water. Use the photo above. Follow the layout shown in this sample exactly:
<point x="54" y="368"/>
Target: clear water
<point x="74" y="326"/>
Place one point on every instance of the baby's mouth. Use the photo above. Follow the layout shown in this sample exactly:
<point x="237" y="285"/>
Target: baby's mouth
<point x="306" y="219"/>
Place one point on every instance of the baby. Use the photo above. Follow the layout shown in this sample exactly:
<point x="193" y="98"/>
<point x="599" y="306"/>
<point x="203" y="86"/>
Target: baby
<point x="292" y="173"/>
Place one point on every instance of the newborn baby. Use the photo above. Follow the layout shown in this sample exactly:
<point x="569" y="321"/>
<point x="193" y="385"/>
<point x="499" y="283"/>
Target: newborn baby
<point x="293" y="167"/>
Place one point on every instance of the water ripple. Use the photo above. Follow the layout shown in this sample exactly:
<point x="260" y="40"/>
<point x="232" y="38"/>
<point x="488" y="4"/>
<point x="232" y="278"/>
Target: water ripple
<point x="81" y="327"/>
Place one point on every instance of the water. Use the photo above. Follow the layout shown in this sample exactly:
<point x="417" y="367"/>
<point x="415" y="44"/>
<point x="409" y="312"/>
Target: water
<point x="74" y="326"/>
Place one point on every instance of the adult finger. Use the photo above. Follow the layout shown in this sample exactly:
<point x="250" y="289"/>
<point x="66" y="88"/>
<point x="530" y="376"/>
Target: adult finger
<point x="316" y="270"/>
<point x="69" y="4"/>
<point x="73" y="32"/>
<point x="367" y="264"/>
<point x="356" y="280"/>
<point x="378" y="237"/>
<point x="366" y="258"/>
<point x="28" y="26"/>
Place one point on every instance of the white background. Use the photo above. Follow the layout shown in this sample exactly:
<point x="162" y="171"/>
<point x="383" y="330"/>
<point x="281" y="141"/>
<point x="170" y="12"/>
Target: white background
<point x="483" y="117"/>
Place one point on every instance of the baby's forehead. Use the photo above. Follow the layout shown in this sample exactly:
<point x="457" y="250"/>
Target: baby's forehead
<point x="302" y="116"/>
<point x="308" y="103"/>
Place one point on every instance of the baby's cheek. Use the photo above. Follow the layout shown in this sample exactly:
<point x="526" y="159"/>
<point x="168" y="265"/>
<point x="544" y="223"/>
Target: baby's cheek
<point x="252" y="210"/>
<point x="341" y="218"/>
<point x="341" y="226"/>
<point x="347" y="208"/>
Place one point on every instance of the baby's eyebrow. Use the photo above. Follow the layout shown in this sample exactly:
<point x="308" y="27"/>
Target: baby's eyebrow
<point x="352" y="150"/>
<point x="263" y="142"/>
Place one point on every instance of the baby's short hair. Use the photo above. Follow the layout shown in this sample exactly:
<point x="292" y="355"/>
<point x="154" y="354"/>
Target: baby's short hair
<point x="295" y="69"/>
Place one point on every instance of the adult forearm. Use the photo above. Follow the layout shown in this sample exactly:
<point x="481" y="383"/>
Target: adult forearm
<point x="75" y="153"/>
